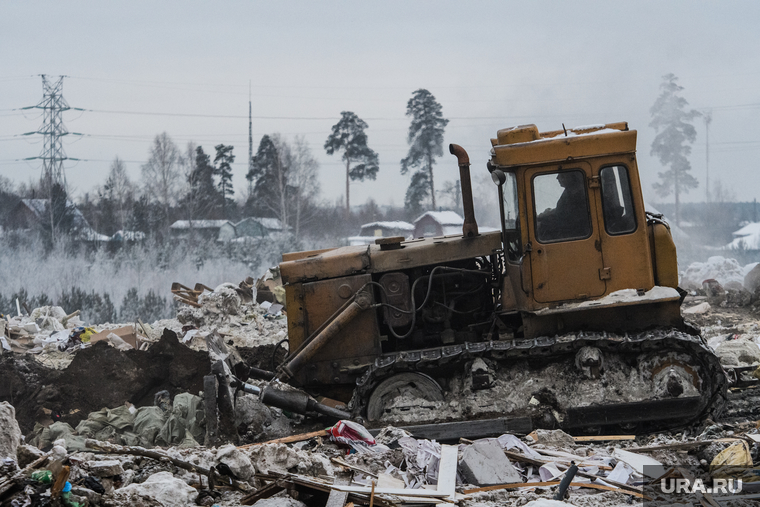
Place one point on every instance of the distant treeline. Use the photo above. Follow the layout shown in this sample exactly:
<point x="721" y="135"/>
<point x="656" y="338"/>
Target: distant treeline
<point x="95" y="308"/>
<point x="711" y="223"/>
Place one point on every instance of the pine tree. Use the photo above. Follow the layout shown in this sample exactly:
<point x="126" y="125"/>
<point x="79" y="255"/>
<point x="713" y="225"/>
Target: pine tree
<point x="223" y="164"/>
<point x="348" y="135"/>
<point x="418" y="191"/>
<point x="269" y="176"/>
<point x="425" y="143"/>
<point x="672" y="122"/>
<point x="201" y="198"/>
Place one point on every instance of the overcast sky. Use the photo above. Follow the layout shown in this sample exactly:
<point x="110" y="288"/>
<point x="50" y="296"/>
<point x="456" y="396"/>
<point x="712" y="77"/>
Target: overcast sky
<point x="141" y="68"/>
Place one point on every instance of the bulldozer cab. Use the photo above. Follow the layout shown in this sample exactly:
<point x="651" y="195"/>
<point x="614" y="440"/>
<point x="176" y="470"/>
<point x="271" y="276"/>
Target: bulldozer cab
<point x="573" y="220"/>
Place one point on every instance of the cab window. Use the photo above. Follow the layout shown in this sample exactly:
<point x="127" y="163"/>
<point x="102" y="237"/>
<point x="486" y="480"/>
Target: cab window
<point x="511" y="217"/>
<point x="617" y="202"/>
<point x="561" y="206"/>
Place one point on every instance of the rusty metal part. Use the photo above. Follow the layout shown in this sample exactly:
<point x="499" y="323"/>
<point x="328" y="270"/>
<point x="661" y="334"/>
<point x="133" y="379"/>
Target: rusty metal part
<point x="396" y="294"/>
<point x="298" y="402"/>
<point x="590" y="361"/>
<point x="470" y="226"/>
<point x="415" y="385"/>
<point x="654" y="414"/>
<point x="361" y="302"/>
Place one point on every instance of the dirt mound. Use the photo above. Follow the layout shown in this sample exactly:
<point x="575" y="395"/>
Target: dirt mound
<point x="102" y="376"/>
<point x="99" y="376"/>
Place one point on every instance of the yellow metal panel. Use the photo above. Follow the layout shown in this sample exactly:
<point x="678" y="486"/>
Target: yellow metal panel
<point x="564" y="148"/>
<point x="353" y="347"/>
<point x="520" y="134"/>
<point x="294" y="304"/>
<point x="665" y="259"/>
<point x="331" y="263"/>
<point x="427" y="251"/>
<point x="294" y="256"/>
<point x="624" y="254"/>
<point x="566" y="270"/>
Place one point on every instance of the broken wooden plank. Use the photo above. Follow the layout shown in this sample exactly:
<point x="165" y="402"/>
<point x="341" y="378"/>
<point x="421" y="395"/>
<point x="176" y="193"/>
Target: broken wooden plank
<point x="447" y="471"/>
<point x="555" y="483"/>
<point x="267" y="491"/>
<point x="346" y="464"/>
<point x="292" y="438"/>
<point x="538" y="462"/>
<point x="680" y="445"/>
<point x="391" y="491"/>
<point x="604" y="438"/>
<point x="186" y="301"/>
<point x="468" y="429"/>
<point x="324" y="486"/>
<point x="338" y="498"/>
<point x="563" y="457"/>
<point x="159" y="455"/>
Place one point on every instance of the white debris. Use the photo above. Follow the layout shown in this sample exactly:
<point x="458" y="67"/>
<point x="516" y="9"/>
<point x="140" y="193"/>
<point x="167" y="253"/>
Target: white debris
<point x="543" y="502"/>
<point x="237" y="461"/>
<point x="699" y="309"/>
<point x="656" y="293"/>
<point x="163" y="487"/>
<point x="279" y="501"/>
<point x="741" y="352"/>
<point x="727" y="272"/>
<point x="638" y="462"/>
<point x="10" y="433"/>
<point x="752" y="276"/>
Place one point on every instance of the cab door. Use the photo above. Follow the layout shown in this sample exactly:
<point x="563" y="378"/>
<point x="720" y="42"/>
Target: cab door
<point x="566" y="253"/>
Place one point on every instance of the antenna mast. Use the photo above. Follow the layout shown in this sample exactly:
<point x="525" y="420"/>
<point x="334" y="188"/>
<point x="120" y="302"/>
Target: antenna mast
<point x="250" y="137"/>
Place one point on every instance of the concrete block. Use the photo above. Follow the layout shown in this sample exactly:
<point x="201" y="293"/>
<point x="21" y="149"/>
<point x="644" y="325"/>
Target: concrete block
<point x="484" y="464"/>
<point x="105" y="468"/>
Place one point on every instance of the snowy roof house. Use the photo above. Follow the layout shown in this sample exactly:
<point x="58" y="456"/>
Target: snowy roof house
<point x="388" y="229"/>
<point x="33" y="213"/>
<point x="438" y="223"/>
<point x="746" y="238"/>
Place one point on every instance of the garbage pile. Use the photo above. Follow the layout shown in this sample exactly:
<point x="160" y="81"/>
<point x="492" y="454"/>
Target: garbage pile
<point x="53" y="337"/>
<point x="164" y="415"/>
<point x="243" y="315"/>
<point x="346" y="463"/>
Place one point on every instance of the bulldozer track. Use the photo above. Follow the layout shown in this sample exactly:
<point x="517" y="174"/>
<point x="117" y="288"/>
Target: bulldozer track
<point x="713" y="378"/>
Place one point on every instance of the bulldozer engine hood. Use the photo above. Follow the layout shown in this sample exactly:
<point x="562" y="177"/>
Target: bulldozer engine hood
<point x="349" y="260"/>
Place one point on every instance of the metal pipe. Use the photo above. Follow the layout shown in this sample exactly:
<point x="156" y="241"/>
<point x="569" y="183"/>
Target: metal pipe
<point x="298" y="402"/>
<point x="470" y="226"/>
<point x="566" y="480"/>
<point x="360" y="303"/>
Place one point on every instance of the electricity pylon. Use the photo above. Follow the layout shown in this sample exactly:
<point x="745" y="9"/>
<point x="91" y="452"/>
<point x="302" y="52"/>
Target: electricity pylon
<point x="53" y="105"/>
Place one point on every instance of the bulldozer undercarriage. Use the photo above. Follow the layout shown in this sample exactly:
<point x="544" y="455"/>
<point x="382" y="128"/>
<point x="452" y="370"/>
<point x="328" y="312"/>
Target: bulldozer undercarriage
<point x="586" y="382"/>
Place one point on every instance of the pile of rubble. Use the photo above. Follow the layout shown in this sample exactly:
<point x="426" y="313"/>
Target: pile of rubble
<point x="161" y="414"/>
<point x="57" y="369"/>
<point x="345" y="464"/>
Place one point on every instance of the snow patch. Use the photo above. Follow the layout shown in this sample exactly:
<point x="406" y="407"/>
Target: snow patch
<point x="728" y="272"/>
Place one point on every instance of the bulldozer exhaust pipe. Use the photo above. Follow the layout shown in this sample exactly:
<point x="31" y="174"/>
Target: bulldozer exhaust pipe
<point x="470" y="226"/>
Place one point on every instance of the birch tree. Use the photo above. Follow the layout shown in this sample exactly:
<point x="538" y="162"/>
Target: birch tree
<point x="120" y="190"/>
<point x="161" y="173"/>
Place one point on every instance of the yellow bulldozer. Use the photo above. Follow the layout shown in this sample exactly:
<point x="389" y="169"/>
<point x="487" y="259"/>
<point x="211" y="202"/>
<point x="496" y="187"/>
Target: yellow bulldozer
<point x="568" y="317"/>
